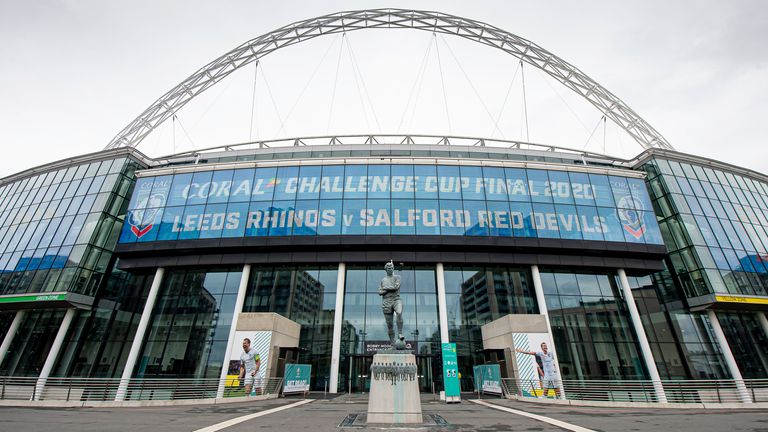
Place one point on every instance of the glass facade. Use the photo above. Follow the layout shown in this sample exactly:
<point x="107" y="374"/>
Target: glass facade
<point x="715" y="226"/>
<point x="748" y="342"/>
<point x="447" y="200"/>
<point x="58" y="228"/>
<point x="364" y="329"/>
<point x="306" y="295"/>
<point x="476" y="296"/>
<point x="27" y="353"/>
<point x="98" y="342"/>
<point x="682" y="341"/>
<point x="591" y="327"/>
<point x="190" y="323"/>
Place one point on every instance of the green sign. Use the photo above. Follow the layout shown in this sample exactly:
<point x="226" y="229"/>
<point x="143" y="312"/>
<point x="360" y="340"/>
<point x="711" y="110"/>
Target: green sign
<point x="451" y="373"/>
<point x="488" y="378"/>
<point x="297" y="378"/>
<point x="33" y="298"/>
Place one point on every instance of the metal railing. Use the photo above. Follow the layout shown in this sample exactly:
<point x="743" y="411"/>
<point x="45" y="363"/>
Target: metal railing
<point x="137" y="389"/>
<point x="676" y="391"/>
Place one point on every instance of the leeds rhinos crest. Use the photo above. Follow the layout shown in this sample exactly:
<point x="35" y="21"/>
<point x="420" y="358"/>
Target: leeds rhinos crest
<point x="143" y="219"/>
<point x="630" y="216"/>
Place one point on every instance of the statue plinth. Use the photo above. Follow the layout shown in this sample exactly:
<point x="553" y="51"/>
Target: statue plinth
<point x="394" y="397"/>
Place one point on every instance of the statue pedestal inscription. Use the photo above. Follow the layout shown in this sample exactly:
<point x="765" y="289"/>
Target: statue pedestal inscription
<point x="394" y="396"/>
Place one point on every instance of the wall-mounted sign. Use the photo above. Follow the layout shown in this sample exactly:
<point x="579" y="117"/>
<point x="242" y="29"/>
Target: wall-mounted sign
<point x="390" y="200"/>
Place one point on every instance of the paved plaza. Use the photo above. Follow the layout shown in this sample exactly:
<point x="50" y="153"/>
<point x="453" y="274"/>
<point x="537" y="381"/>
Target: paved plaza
<point x="326" y="415"/>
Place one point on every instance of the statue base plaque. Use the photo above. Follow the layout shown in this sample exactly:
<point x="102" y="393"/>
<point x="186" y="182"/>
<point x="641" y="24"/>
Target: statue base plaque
<point x="394" y="397"/>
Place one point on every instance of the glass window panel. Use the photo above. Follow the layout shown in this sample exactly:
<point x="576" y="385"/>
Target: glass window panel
<point x="211" y="222"/>
<point x="356" y="176"/>
<point x="602" y="190"/>
<point x="538" y="182"/>
<point x="189" y="226"/>
<point x="449" y="182"/>
<point x="582" y="189"/>
<point x="569" y="223"/>
<point x="170" y="224"/>
<point x="403" y="182"/>
<point x="352" y="223"/>
<point x="242" y="182"/>
<point x="264" y="184"/>
<point x="179" y="189"/>
<point x="523" y="224"/>
<point x="403" y="216"/>
<point x="333" y="183"/>
<point x="651" y="232"/>
<point x="495" y="184"/>
<point x="592" y="225"/>
<point x="426" y="181"/>
<point x="517" y="184"/>
<point x="546" y="220"/>
<point x="287" y="178"/>
<point x="221" y="186"/>
<point x="560" y="187"/>
<point x="141" y="193"/>
<point x="378" y="217"/>
<point x="378" y="181"/>
<point x="280" y="220"/>
<point x="452" y="217"/>
<point x="311" y="182"/>
<point x="472" y="183"/>
<point x="499" y="219"/>
<point x="330" y="217"/>
<point x="613" y="229"/>
<point x="428" y="220"/>
<point x="199" y="188"/>
<point x="74" y="230"/>
<point x="306" y="218"/>
<point x="477" y="223"/>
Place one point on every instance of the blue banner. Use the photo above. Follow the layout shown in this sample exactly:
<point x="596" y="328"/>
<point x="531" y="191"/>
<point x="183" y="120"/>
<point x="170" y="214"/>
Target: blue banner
<point x="390" y="200"/>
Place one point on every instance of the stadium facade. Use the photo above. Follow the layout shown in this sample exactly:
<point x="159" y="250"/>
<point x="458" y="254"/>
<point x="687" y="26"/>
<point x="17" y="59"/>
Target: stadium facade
<point x="114" y="264"/>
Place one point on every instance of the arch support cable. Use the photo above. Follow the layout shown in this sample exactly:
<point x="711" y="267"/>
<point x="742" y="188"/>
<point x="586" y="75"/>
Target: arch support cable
<point x="565" y="73"/>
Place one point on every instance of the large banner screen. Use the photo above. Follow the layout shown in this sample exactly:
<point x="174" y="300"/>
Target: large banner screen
<point x="390" y="200"/>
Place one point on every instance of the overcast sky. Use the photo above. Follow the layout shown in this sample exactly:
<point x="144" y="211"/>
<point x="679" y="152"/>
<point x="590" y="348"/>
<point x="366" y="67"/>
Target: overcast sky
<point x="76" y="72"/>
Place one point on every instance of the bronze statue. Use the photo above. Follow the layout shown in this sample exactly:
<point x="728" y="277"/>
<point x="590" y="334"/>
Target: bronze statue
<point x="389" y="290"/>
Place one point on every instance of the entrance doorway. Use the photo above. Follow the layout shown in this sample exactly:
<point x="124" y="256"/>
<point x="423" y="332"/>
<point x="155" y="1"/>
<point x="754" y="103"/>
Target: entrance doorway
<point x="358" y="370"/>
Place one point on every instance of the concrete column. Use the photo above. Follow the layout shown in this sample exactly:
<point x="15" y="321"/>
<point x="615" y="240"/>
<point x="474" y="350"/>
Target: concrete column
<point x="58" y="341"/>
<point x="730" y="360"/>
<point x="138" y="339"/>
<point x="642" y="338"/>
<point x="11" y="334"/>
<point x="242" y="288"/>
<point x="760" y="317"/>
<point x="442" y="308"/>
<point x="542" y="302"/>
<point x="333" y="382"/>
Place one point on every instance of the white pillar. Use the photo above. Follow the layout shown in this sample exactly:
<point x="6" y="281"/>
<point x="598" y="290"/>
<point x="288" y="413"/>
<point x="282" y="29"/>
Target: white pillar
<point x="138" y="339"/>
<point x="730" y="361"/>
<point x="333" y="382"/>
<point x="242" y="288"/>
<point x="760" y="317"/>
<point x="542" y="302"/>
<point x="11" y="334"/>
<point x="58" y="341"/>
<point x="442" y="308"/>
<point x="642" y="338"/>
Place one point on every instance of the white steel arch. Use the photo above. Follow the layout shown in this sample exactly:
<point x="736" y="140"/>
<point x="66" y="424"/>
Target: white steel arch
<point x="253" y="50"/>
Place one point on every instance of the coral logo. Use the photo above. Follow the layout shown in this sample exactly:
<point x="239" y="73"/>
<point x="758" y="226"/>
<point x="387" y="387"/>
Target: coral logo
<point x="631" y="216"/>
<point x="143" y="219"/>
